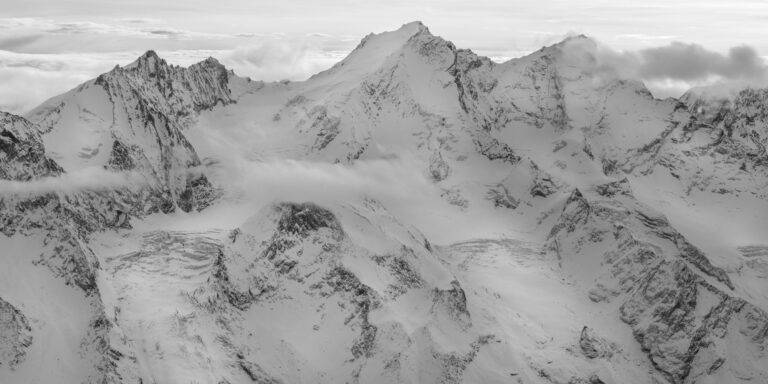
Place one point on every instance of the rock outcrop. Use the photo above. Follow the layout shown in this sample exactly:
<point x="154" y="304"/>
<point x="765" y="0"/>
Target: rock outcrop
<point x="15" y="335"/>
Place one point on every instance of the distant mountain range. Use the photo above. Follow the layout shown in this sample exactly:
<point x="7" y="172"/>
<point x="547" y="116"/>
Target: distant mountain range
<point x="429" y="216"/>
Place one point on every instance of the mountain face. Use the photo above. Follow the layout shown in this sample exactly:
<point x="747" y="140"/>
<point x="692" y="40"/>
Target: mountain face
<point x="23" y="153"/>
<point x="131" y="119"/>
<point x="415" y="214"/>
<point x="736" y="126"/>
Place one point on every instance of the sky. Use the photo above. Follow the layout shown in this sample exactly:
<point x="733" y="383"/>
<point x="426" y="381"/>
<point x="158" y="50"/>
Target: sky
<point x="49" y="46"/>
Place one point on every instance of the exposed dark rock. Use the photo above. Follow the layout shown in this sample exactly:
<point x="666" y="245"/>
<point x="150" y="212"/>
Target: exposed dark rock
<point x="324" y="125"/>
<point x="398" y="265"/>
<point x="660" y="225"/>
<point x="122" y="220"/>
<point x="438" y="167"/>
<point x="120" y="158"/>
<point x="592" y="345"/>
<point x="152" y="104"/>
<point x="302" y="218"/>
<point x="22" y="155"/>
<point x="256" y="373"/>
<point x="197" y="195"/>
<point x="543" y="184"/>
<point x="493" y="149"/>
<point x="609" y="166"/>
<point x="365" y="299"/>
<point x="501" y="197"/>
<point x="594" y="379"/>
<point x="681" y="320"/>
<point x="15" y="335"/>
<point x="614" y="188"/>
<point x="220" y="279"/>
<point x="454" y="364"/>
<point x="575" y="212"/>
<point x="452" y="302"/>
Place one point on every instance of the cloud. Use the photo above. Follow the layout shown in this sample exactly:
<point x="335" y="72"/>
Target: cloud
<point x="297" y="180"/>
<point x="671" y="69"/>
<point x="87" y="179"/>
<point x="405" y="190"/>
<point x="11" y="43"/>
<point x="139" y="20"/>
<point x="694" y="62"/>
<point x="26" y="80"/>
<point x="644" y="36"/>
<point x="319" y="35"/>
<point x="41" y="58"/>
<point x="276" y="59"/>
<point x="39" y="35"/>
<point x="166" y="32"/>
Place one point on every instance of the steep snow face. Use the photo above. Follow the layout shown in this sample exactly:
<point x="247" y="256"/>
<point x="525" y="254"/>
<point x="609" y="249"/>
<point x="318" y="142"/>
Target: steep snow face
<point x="687" y="314"/>
<point x="132" y="118"/>
<point x="369" y="55"/>
<point x="706" y="171"/>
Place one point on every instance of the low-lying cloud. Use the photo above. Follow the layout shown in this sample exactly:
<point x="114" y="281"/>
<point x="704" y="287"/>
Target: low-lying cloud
<point x="694" y="62"/>
<point x="87" y="179"/>
<point x="405" y="191"/>
<point x="672" y="69"/>
<point x="392" y="179"/>
<point x="277" y="59"/>
<point x="31" y="70"/>
<point x="26" y="80"/>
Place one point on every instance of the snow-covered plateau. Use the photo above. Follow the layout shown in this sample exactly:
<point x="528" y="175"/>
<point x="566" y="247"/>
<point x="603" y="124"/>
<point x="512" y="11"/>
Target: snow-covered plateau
<point x="415" y="214"/>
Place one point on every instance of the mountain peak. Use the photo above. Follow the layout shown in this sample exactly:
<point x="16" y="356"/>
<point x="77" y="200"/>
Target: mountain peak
<point x="581" y="41"/>
<point x="149" y="60"/>
<point x="374" y="48"/>
<point x="415" y="27"/>
<point x="397" y="37"/>
<point x="150" y="54"/>
<point x="577" y="37"/>
<point x="211" y="62"/>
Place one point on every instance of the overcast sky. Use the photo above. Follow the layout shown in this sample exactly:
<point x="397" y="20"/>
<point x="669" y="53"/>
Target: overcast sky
<point x="49" y="46"/>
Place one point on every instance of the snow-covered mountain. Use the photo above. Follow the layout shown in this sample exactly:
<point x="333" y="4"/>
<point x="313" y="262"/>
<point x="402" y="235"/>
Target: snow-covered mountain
<point x="415" y="214"/>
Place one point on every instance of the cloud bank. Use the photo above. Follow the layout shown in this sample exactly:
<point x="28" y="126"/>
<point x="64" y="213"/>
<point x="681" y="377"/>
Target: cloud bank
<point x="27" y="80"/>
<point x="392" y="179"/>
<point x="278" y="59"/>
<point x="694" y="62"/>
<point x="41" y="58"/>
<point x="87" y="179"/>
<point x="672" y="69"/>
